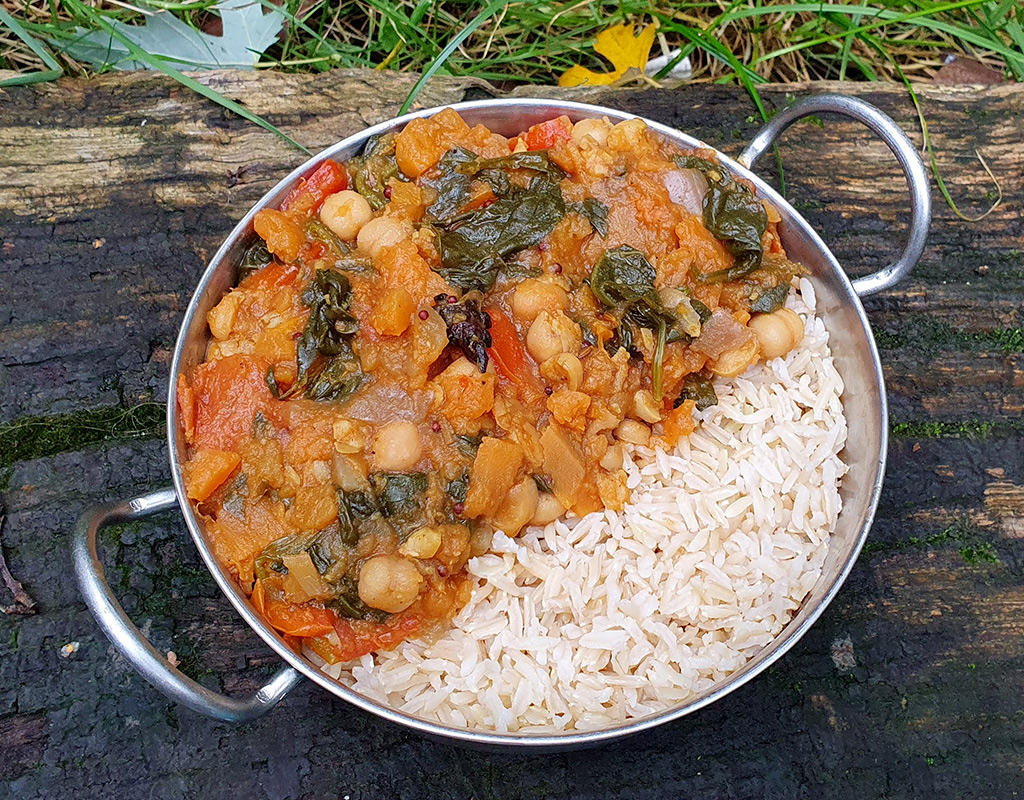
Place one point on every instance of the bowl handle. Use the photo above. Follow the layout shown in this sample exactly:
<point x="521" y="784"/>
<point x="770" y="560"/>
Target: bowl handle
<point x="902" y="148"/>
<point x="129" y="640"/>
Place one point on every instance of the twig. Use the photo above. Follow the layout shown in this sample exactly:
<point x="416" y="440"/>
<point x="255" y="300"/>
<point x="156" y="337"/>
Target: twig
<point x="24" y="605"/>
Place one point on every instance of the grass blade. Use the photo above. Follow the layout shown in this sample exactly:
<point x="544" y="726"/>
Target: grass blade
<point x="443" y="56"/>
<point x="42" y="76"/>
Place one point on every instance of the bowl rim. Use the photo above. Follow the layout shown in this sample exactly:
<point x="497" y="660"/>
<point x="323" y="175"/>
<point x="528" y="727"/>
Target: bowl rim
<point x="791" y="633"/>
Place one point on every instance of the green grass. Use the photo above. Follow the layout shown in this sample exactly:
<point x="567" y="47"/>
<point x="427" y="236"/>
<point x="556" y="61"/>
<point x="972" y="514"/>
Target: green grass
<point x="974" y="548"/>
<point x="929" y="337"/>
<point x="37" y="437"/>
<point x="743" y="40"/>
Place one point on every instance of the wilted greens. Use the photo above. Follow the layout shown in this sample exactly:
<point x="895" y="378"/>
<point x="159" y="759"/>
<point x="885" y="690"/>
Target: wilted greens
<point x="473" y="245"/>
<point x="623" y="280"/>
<point x="328" y="368"/>
<point x="374" y="168"/>
<point x="733" y="215"/>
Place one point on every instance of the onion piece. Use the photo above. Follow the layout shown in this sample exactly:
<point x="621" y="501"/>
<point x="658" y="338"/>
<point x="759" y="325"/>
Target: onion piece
<point x="721" y="333"/>
<point x="686" y="188"/>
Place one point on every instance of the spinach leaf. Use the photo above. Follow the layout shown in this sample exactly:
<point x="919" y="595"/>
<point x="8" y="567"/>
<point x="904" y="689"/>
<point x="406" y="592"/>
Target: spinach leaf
<point x="458" y="488"/>
<point x="624" y="277"/>
<point x="452" y="185"/>
<point x="328" y="367"/>
<point x="354" y="508"/>
<point x="472" y="253"/>
<point x="315" y="229"/>
<point x="770" y="300"/>
<point x="733" y="215"/>
<point x="536" y="161"/>
<point x="596" y="213"/>
<point x="467" y="445"/>
<point x="467" y="327"/>
<point x="697" y="386"/>
<point x="269" y="559"/>
<point x="348" y="603"/>
<point x="374" y="168"/>
<point x="400" y="495"/>
<point x="255" y="258"/>
<point x="623" y="280"/>
<point x="337" y="381"/>
<point x="328" y="551"/>
<point x="397" y="492"/>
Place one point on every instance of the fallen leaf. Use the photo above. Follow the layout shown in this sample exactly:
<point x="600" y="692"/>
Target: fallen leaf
<point x="247" y="32"/>
<point x="619" y="46"/>
<point x="958" y="71"/>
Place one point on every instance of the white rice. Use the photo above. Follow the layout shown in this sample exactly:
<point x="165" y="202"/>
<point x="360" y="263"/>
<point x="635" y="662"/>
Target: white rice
<point x="592" y="621"/>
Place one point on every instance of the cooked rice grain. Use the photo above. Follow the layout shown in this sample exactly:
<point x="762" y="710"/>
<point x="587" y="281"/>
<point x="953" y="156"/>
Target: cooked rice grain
<point x="593" y="621"/>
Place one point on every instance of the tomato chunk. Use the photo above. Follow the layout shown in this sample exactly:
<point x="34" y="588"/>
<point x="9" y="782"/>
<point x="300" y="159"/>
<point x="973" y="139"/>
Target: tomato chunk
<point x="325" y="180"/>
<point x="510" y="359"/>
<point x="547" y="134"/>
<point x="359" y="637"/>
<point x="304" y="620"/>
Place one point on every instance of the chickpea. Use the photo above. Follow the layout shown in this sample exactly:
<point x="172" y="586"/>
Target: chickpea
<point x="533" y="296"/>
<point x="596" y="129"/>
<point x="645" y="406"/>
<point x="518" y="508"/>
<point x="397" y="447"/>
<point x="552" y="334"/>
<point x="778" y="332"/>
<point x="345" y="213"/>
<point x="627" y="135"/>
<point x="548" y="509"/>
<point x="629" y="430"/>
<point x="390" y="583"/>
<point x="382" y="232"/>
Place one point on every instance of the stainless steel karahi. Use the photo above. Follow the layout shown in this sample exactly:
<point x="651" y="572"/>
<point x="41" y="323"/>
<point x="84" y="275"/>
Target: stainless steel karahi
<point x="853" y="348"/>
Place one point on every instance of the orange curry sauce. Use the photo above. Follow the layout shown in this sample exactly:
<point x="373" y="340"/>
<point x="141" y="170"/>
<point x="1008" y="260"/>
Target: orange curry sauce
<point x="418" y="353"/>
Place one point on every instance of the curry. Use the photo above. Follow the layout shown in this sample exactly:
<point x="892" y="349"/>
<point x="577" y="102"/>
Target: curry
<point x="456" y="333"/>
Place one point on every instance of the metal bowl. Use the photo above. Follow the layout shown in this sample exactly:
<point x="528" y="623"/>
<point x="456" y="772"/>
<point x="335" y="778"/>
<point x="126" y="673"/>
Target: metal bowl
<point x="853" y="347"/>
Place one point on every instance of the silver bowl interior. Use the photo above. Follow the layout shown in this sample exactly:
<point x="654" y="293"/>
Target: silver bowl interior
<point x="853" y="348"/>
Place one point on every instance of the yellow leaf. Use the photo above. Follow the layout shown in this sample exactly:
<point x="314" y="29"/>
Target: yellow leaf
<point x="622" y="48"/>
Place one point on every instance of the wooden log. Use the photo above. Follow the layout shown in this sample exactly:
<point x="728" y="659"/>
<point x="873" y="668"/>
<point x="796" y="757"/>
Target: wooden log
<point x="114" y="192"/>
<point x="110" y="211"/>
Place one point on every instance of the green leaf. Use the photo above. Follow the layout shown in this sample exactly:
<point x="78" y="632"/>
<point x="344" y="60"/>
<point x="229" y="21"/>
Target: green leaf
<point x="623" y="280"/>
<point x="374" y="168"/>
<point x="400" y="496"/>
<point x="596" y="213"/>
<point x="770" y="300"/>
<point x="328" y="369"/>
<point x="255" y="258"/>
<point x="490" y="10"/>
<point x="473" y="253"/>
<point x="451" y="184"/>
<point x="733" y="215"/>
<point x="247" y="32"/>
<point x="36" y="47"/>
<point x="698" y="387"/>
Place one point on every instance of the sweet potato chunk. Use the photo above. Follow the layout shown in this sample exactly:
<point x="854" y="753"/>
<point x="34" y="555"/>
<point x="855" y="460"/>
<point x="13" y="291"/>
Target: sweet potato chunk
<point x="494" y="473"/>
<point x="207" y="470"/>
<point x="563" y="461"/>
